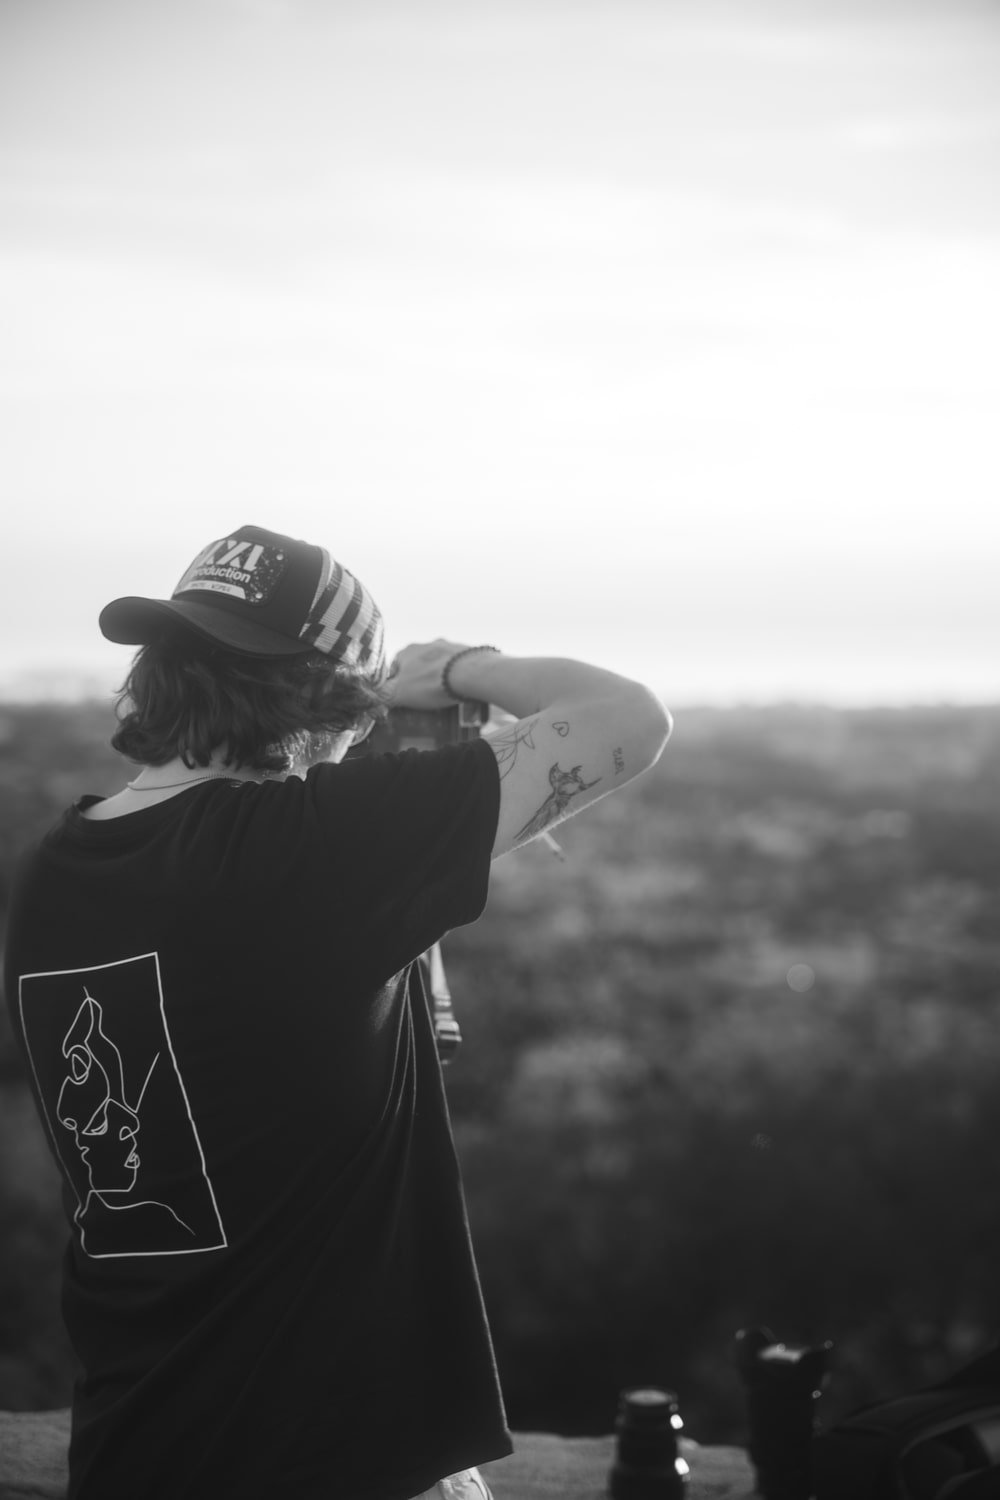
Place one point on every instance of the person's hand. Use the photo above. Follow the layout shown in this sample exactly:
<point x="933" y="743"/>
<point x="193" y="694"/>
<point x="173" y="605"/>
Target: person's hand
<point x="415" y="675"/>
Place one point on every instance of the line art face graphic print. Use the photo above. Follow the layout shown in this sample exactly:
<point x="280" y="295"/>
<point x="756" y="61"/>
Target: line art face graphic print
<point x="117" y="1110"/>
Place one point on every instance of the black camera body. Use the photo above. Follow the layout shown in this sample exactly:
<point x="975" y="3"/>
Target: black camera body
<point x="425" y="728"/>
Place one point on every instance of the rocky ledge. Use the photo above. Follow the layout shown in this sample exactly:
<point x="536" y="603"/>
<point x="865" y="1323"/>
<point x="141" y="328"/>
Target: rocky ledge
<point x="542" y="1467"/>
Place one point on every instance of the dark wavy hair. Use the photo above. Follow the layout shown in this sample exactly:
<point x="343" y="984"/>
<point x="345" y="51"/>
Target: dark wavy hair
<point x="188" y="697"/>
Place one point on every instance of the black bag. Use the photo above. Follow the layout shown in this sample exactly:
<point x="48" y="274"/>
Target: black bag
<point x="941" y="1443"/>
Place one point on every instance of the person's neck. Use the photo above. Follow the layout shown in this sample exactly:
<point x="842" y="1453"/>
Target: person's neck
<point x="176" y="774"/>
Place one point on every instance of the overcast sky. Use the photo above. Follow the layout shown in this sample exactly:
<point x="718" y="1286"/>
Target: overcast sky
<point x="662" y="333"/>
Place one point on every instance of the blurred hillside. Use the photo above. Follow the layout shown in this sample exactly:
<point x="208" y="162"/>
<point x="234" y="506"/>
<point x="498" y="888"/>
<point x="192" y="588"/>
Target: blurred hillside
<point x="735" y="1061"/>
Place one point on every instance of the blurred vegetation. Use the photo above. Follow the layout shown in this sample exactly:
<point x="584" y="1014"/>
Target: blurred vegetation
<point x="735" y="1061"/>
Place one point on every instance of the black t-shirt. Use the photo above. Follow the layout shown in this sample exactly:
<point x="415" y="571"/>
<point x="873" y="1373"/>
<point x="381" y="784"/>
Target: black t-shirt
<point x="269" y="1280"/>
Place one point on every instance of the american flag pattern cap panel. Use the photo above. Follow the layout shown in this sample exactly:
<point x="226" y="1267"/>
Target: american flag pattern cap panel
<point x="345" y="622"/>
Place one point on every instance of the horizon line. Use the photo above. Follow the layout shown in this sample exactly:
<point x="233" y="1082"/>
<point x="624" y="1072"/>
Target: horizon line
<point x="941" y="702"/>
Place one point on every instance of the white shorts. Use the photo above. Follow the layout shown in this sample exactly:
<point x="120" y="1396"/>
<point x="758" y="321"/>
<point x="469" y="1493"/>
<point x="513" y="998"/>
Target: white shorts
<point x="468" y="1485"/>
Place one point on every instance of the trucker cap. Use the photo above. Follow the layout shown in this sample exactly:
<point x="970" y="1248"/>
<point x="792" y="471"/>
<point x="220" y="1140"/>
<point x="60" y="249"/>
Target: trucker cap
<point x="262" y="594"/>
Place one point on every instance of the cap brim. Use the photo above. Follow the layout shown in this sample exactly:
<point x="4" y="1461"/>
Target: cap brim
<point x="137" y="622"/>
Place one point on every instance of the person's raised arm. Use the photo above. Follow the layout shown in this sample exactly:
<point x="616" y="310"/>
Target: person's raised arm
<point x="581" y="731"/>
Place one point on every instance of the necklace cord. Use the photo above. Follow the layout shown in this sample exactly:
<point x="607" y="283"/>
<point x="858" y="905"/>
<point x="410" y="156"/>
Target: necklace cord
<point x="164" y="786"/>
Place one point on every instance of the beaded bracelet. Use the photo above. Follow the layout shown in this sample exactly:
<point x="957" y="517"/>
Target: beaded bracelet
<point x="446" y="674"/>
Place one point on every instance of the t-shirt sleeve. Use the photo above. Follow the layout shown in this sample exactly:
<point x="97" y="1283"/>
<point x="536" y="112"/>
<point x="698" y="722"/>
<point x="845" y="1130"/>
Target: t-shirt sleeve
<point x="430" y="822"/>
